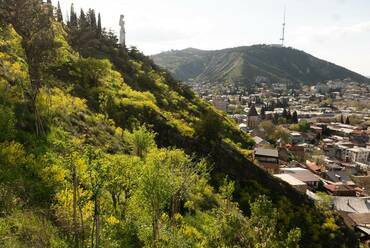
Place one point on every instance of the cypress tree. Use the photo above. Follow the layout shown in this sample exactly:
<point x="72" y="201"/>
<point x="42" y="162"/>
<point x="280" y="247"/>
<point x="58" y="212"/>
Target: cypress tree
<point x="275" y="119"/>
<point x="91" y="19"/>
<point x="263" y="112"/>
<point x="50" y="8"/>
<point x="348" y="121"/>
<point x="99" y="31"/>
<point x="82" y="21"/>
<point x="295" y="117"/>
<point x="285" y="113"/>
<point x="73" y="21"/>
<point x="59" y="13"/>
<point x="289" y="116"/>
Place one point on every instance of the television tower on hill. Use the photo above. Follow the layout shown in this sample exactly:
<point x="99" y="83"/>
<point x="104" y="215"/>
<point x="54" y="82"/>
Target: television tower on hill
<point x="283" y="33"/>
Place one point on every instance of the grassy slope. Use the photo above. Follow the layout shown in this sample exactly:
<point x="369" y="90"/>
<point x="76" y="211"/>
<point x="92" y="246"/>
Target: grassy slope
<point x="209" y="137"/>
<point x="148" y="95"/>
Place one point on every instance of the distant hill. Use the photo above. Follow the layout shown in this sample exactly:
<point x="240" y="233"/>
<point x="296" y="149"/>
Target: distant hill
<point x="246" y="64"/>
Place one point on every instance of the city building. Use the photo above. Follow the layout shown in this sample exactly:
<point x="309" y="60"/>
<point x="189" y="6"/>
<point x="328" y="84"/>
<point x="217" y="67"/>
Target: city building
<point x="253" y="117"/>
<point x="303" y="175"/>
<point x="294" y="182"/>
<point x="267" y="159"/>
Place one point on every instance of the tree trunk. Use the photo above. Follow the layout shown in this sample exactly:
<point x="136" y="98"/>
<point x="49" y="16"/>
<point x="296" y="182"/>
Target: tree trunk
<point x="114" y="202"/>
<point x="97" y="222"/>
<point x="82" y="221"/>
<point x="38" y="122"/>
<point x="155" y="225"/>
<point x="75" y="224"/>
<point x="92" y="232"/>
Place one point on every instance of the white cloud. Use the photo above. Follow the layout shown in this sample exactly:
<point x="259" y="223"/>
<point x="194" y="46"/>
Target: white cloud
<point x="314" y="34"/>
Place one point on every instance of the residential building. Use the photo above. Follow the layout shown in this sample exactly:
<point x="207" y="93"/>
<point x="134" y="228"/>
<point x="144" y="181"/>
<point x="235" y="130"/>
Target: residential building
<point x="339" y="189"/>
<point x="259" y="141"/>
<point x="220" y="104"/>
<point x="296" y="137"/>
<point x="267" y="159"/>
<point x="303" y="175"/>
<point x="294" y="182"/>
<point x="340" y="176"/>
<point x="359" y="154"/>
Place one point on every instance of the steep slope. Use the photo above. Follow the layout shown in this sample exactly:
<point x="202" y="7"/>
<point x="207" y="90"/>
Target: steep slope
<point x="70" y="168"/>
<point x="245" y="64"/>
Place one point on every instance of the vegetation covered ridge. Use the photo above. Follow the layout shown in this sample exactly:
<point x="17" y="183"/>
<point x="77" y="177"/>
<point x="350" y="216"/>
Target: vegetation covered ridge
<point x="252" y="64"/>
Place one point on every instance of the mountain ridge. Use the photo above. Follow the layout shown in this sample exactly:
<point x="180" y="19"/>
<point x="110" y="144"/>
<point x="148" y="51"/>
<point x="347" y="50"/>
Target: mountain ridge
<point x="248" y="64"/>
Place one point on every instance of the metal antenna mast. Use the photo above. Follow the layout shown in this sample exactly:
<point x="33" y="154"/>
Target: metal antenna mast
<point x="283" y="34"/>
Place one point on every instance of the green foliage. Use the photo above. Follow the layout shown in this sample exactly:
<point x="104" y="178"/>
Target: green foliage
<point x="282" y="135"/>
<point x="140" y="141"/>
<point x="263" y="221"/>
<point x="7" y="123"/>
<point x="274" y="133"/>
<point x="28" y="229"/>
<point x="301" y="126"/>
<point x="14" y="78"/>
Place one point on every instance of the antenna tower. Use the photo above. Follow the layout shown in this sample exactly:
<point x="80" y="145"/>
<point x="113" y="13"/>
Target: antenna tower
<point x="283" y="33"/>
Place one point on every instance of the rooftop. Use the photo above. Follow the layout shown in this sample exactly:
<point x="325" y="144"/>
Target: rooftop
<point x="295" y="134"/>
<point x="339" y="176"/>
<point x="259" y="140"/>
<point x="290" y="179"/>
<point x="316" y="128"/>
<point x="360" y="219"/>
<point x="267" y="152"/>
<point x="352" y="204"/>
<point x="301" y="174"/>
<point x="359" y="149"/>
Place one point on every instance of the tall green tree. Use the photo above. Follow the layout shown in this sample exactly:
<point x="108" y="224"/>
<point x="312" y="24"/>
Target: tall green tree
<point x="263" y="227"/>
<point x="91" y="18"/>
<point x="156" y="188"/>
<point x="83" y="23"/>
<point x="348" y="122"/>
<point x="99" y="27"/>
<point x="73" y="19"/>
<point x="59" y="13"/>
<point x="30" y="19"/>
<point x="295" y="117"/>
<point x="140" y="141"/>
<point x="122" y="173"/>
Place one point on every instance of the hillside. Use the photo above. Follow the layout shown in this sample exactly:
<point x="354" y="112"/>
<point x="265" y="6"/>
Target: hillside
<point x="245" y="64"/>
<point x="101" y="148"/>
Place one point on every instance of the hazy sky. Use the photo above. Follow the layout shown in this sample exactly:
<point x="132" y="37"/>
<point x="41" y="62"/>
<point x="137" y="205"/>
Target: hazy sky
<point x="335" y="30"/>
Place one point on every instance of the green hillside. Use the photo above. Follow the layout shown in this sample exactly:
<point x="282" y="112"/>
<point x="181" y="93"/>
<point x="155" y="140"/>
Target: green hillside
<point x="101" y="148"/>
<point x="245" y="64"/>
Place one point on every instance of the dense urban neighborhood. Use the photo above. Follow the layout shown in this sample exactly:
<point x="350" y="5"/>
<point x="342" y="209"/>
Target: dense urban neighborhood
<point x="315" y="138"/>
